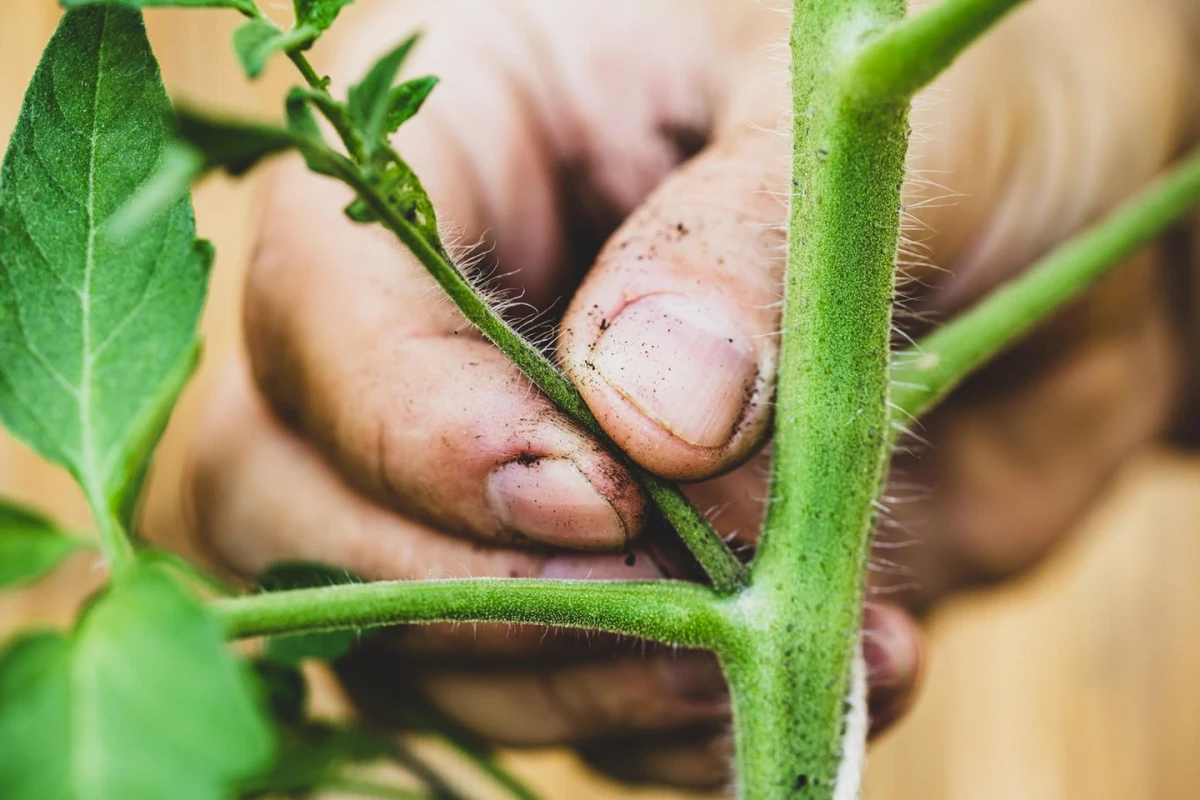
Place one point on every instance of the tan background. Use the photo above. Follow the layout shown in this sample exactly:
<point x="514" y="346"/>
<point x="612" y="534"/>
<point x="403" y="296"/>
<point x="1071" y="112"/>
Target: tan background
<point x="1079" y="683"/>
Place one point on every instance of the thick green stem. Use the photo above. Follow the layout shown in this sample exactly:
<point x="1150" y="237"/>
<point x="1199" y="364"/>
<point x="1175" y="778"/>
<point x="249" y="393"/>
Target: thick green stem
<point x="925" y="374"/>
<point x="676" y="613"/>
<point x="791" y="675"/>
<point x="722" y="566"/>
<point x="908" y="56"/>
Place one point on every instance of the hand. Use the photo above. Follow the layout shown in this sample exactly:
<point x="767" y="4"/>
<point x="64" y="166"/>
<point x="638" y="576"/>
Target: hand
<point x="374" y="430"/>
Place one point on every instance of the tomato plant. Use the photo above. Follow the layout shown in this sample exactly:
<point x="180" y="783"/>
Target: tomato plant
<point x="103" y="284"/>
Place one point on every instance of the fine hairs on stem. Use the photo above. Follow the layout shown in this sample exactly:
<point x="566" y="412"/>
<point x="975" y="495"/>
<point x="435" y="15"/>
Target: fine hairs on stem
<point x="785" y="627"/>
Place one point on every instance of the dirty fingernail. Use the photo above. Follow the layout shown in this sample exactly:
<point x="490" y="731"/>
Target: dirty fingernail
<point x="683" y="365"/>
<point x="551" y="501"/>
<point x="892" y="651"/>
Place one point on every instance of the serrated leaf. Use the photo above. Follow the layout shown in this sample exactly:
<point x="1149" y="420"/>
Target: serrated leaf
<point x="320" y="14"/>
<point x="259" y="39"/>
<point x="94" y="327"/>
<point x="368" y="100"/>
<point x="142" y="701"/>
<point x="30" y="544"/>
<point x="291" y="650"/>
<point x="405" y="100"/>
<point x="245" y="6"/>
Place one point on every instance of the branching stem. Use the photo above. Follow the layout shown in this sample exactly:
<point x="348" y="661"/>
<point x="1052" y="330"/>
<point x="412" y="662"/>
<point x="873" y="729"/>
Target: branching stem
<point x="908" y="55"/>
<point x="926" y="374"/>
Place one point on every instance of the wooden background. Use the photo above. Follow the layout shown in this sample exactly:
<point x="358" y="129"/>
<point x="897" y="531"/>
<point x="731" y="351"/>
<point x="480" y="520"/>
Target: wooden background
<point x="1079" y="683"/>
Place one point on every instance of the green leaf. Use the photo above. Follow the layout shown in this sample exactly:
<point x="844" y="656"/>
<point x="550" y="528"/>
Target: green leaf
<point x="369" y="100"/>
<point x="245" y="6"/>
<point x="406" y="100"/>
<point x="172" y="178"/>
<point x="259" y="39"/>
<point x="291" y="650"/>
<point x="96" y="330"/>
<point x="303" y="123"/>
<point x="142" y="701"/>
<point x="320" y="14"/>
<point x="30" y="544"/>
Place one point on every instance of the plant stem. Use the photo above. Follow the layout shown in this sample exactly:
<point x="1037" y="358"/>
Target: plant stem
<point x="114" y="541"/>
<point x="329" y="107"/>
<point x="683" y="614"/>
<point x="926" y="373"/>
<point x="791" y="675"/>
<point x="907" y="56"/>
<point x="722" y="566"/>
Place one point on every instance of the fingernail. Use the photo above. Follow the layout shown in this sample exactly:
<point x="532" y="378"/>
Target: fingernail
<point x="695" y="678"/>
<point x="685" y="366"/>
<point x="890" y="648"/>
<point x="551" y="501"/>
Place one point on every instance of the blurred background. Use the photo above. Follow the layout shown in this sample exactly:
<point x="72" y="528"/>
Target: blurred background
<point x="1079" y="681"/>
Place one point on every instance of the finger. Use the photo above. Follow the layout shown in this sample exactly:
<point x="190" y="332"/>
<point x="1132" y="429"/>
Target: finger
<point x="670" y="339"/>
<point x="344" y="332"/>
<point x="699" y="756"/>
<point x="697" y="760"/>
<point x="1034" y="132"/>
<point x="892" y="650"/>
<point x="261" y="496"/>
<point x="622" y="695"/>
<point x="570" y="703"/>
<point x="413" y="408"/>
<point x="1024" y="446"/>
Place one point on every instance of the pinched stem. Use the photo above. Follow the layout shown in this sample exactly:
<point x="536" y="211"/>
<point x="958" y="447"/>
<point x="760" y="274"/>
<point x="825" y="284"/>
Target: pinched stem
<point x="926" y="373"/>
<point x="722" y="566"/>
<point x="908" y="55"/>
<point x="672" y="612"/>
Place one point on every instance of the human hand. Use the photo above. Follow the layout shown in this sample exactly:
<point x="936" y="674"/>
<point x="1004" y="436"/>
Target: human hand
<point x="376" y="432"/>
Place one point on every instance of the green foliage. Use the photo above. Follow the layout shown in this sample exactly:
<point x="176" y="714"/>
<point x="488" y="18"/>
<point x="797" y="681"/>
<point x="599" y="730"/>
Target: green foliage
<point x="319" y="13"/>
<point x="370" y="101"/>
<point x="97" y="333"/>
<point x="245" y="6"/>
<point x="30" y="545"/>
<point x="259" y="39"/>
<point x="142" y="701"/>
<point x="291" y="650"/>
<point x="406" y="100"/>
